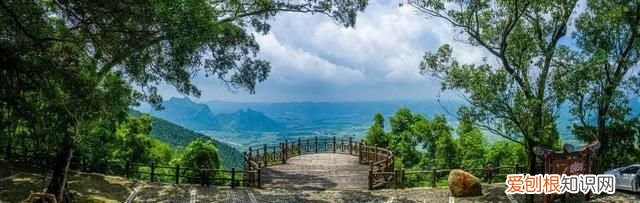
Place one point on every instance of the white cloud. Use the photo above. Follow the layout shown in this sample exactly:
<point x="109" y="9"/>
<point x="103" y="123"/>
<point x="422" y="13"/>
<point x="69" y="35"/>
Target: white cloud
<point x="295" y="65"/>
<point x="314" y="58"/>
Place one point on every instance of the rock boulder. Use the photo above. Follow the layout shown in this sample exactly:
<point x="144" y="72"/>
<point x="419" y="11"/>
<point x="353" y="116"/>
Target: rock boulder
<point x="463" y="184"/>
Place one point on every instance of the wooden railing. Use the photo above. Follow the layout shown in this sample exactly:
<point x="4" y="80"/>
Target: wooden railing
<point x="381" y="165"/>
<point x="378" y="159"/>
<point x="413" y="178"/>
<point x="142" y="171"/>
<point x="178" y="174"/>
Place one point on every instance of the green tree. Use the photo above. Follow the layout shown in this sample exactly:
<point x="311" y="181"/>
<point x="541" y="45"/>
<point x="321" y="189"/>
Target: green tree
<point x="199" y="153"/>
<point x="401" y="121"/>
<point x="505" y="153"/>
<point x="597" y="76"/>
<point x="161" y="152"/>
<point x="376" y="134"/>
<point x="133" y="142"/>
<point x="447" y="152"/>
<point x="402" y="139"/>
<point x="512" y="99"/>
<point x="472" y="145"/>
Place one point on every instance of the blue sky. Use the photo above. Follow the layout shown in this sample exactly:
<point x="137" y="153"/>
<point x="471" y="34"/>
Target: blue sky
<point x="315" y="59"/>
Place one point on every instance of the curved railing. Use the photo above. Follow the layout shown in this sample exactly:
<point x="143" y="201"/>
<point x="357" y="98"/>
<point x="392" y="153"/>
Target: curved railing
<point x="380" y="160"/>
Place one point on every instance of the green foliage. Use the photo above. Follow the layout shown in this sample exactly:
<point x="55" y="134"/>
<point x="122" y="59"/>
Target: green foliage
<point x="401" y="121"/>
<point x="161" y="152"/>
<point x="200" y="153"/>
<point x="472" y="145"/>
<point x="133" y="142"/>
<point x="438" y="128"/>
<point x="447" y="153"/>
<point x="505" y="153"/>
<point x="376" y="135"/>
<point x="402" y="139"/>
<point x="420" y="143"/>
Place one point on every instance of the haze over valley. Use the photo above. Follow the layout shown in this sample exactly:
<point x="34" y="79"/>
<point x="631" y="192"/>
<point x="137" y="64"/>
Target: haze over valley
<point x="248" y="124"/>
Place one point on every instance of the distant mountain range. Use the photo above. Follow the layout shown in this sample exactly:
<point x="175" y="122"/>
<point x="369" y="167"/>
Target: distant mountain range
<point x="199" y="117"/>
<point x="187" y="113"/>
<point x="292" y="119"/>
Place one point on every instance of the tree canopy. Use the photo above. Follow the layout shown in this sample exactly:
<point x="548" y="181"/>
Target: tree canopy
<point x="598" y="77"/>
<point x="513" y="98"/>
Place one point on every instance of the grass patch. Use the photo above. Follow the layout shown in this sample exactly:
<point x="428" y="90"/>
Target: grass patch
<point x="20" y="187"/>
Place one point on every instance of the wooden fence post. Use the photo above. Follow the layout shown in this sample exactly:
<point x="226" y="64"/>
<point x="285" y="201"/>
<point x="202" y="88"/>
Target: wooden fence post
<point x="341" y="145"/>
<point x="259" y="179"/>
<point x="274" y="153"/>
<point x="286" y="151"/>
<point x="334" y="144"/>
<point x="395" y="179"/>
<point x="299" y="146"/>
<point x="258" y="155"/>
<point x="316" y="144"/>
<point x="233" y="177"/>
<point x="375" y="153"/>
<point x="434" y="177"/>
<point x="370" y="176"/>
<point x="177" y="174"/>
<point x="350" y="146"/>
<point x="266" y="158"/>
<point x="282" y="152"/>
<point x="402" y="179"/>
<point x="515" y="168"/>
<point x="127" y="168"/>
<point x="489" y="172"/>
<point x="153" y="171"/>
<point x="360" y="152"/>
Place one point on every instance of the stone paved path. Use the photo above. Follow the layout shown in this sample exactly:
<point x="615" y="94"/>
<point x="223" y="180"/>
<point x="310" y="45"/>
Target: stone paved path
<point x="317" y="172"/>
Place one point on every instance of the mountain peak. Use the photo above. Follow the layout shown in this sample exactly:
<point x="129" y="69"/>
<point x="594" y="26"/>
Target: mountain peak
<point x="249" y="120"/>
<point x="188" y="113"/>
<point x="180" y="99"/>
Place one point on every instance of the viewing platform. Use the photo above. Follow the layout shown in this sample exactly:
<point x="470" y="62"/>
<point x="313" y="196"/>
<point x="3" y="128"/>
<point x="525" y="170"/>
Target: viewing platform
<point x="317" y="172"/>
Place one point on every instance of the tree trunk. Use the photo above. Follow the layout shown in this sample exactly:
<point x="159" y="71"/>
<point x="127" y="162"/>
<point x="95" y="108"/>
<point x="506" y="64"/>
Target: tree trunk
<point x="61" y="167"/>
<point x="7" y="150"/>
<point x="531" y="166"/>
<point x="598" y="166"/>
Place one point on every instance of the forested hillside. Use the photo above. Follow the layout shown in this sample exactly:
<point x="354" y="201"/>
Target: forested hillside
<point x="180" y="137"/>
